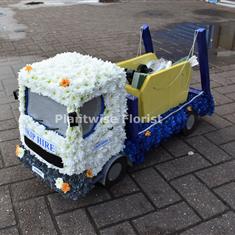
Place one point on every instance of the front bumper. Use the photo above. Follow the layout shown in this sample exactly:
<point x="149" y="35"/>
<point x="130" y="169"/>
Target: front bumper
<point x="79" y="185"/>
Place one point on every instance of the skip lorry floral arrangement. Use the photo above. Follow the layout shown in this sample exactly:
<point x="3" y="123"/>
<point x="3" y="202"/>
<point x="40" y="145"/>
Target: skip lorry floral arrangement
<point x="71" y="156"/>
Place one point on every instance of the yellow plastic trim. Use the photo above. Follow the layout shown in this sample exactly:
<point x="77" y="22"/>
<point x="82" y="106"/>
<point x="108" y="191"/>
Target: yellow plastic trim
<point x="164" y="90"/>
<point x="133" y="91"/>
<point x="135" y="62"/>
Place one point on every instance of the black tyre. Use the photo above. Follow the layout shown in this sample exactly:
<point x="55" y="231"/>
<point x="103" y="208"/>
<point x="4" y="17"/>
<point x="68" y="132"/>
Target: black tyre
<point x="191" y="123"/>
<point x="116" y="171"/>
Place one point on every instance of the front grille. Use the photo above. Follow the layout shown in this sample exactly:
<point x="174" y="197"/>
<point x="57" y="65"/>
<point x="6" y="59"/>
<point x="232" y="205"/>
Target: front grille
<point x="49" y="157"/>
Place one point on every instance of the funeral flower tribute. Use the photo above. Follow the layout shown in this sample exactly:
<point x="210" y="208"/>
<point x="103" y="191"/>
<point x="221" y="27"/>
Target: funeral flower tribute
<point x="131" y="107"/>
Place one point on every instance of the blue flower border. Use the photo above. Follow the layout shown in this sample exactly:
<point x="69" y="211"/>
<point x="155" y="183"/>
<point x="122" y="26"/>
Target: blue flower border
<point x="136" y="149"/>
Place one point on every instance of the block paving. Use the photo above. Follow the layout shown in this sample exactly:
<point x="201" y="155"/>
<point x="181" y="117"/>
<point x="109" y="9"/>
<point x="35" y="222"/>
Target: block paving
<point x="171" y="192"/>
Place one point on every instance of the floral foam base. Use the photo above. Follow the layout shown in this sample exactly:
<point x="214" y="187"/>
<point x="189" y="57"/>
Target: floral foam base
<point x="79" y="185"/>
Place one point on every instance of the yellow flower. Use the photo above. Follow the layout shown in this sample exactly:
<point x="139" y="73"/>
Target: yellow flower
<point x="17" y="150"/>
<point x="28" y="68"/>
<point x="65" y="188"/>
<point x="65" y="82"/>
<point x="147" y="133"/>
<point x="89" y="173"/>
<point x="189" y="108"/>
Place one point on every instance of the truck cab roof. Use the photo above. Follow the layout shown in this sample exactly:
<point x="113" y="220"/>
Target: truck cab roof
<point x="71" y="78"/>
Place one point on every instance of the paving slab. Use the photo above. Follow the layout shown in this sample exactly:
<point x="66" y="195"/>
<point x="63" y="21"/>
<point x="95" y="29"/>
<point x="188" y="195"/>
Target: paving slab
<point x="217" y="121"/>
<point x="29" y="189"/>
<point x="226" y="89"/>
<point x="122" y="228"/>
<point x="225" y="109"/>
<point x="224" y="224"/>
<point x="7" y="217"/>
<point x="221" y="99"/>
<point x="230" y="117"/>
<point x="4" y="99"/>
<point x="120" y="209"/>
<point x="1" y="161"/>
<point x="14" y="174"/>
<point x="6" y="112"/>
<point x="10" y="85"/>
<point x="199" y="196"/>
<point x="9" y="135"/>
<point x="126" y="186"/>
<point x="8" y="152"/>
<point x="6" y="72"/>
<point x="166" y="221"/>
<point x="231" y="96"/>
<point x="227" y="193"/>
<point x="9" y="231"/>
<point x="222" y="136"/>
<point x="182" y="166"/>
<point x="1" y="86"/>
<point x="61" y="205"/>
<point x="202" y="128"/>
<point x="218" y="175"/>
<point x="229" y="148"/>
<point x="40" y="221"/>
<point x="8" y="124"/>
<point x="158" y="190"/>
<point x="209" y="150"/>
<point x="75" y="222"/>
<point x="177" y="147"/>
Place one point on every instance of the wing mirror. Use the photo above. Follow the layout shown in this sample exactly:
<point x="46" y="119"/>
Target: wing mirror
<point x="16" y="94"/>
<point x="73" y="119"/>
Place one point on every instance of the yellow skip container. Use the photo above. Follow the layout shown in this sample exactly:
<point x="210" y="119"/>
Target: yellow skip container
<point x="161" y="90"/>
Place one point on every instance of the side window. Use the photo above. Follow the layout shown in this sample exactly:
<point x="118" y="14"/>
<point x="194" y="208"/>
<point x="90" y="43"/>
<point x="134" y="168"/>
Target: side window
<point x="90" y="113"/>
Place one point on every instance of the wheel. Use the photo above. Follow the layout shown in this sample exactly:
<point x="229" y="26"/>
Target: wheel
<point x="191" y="123"/>
<point x="116" y="171"/>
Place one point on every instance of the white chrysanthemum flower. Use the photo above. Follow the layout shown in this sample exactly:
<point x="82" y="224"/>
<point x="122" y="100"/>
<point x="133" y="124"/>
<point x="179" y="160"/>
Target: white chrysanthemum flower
<point x="21" y="153"/>
<point x="59" y="182"/>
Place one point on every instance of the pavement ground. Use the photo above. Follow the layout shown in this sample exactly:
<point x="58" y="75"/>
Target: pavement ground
<point x="172" y="192"/>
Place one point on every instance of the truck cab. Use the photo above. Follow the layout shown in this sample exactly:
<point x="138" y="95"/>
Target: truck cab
<point x="72" y="111"/>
